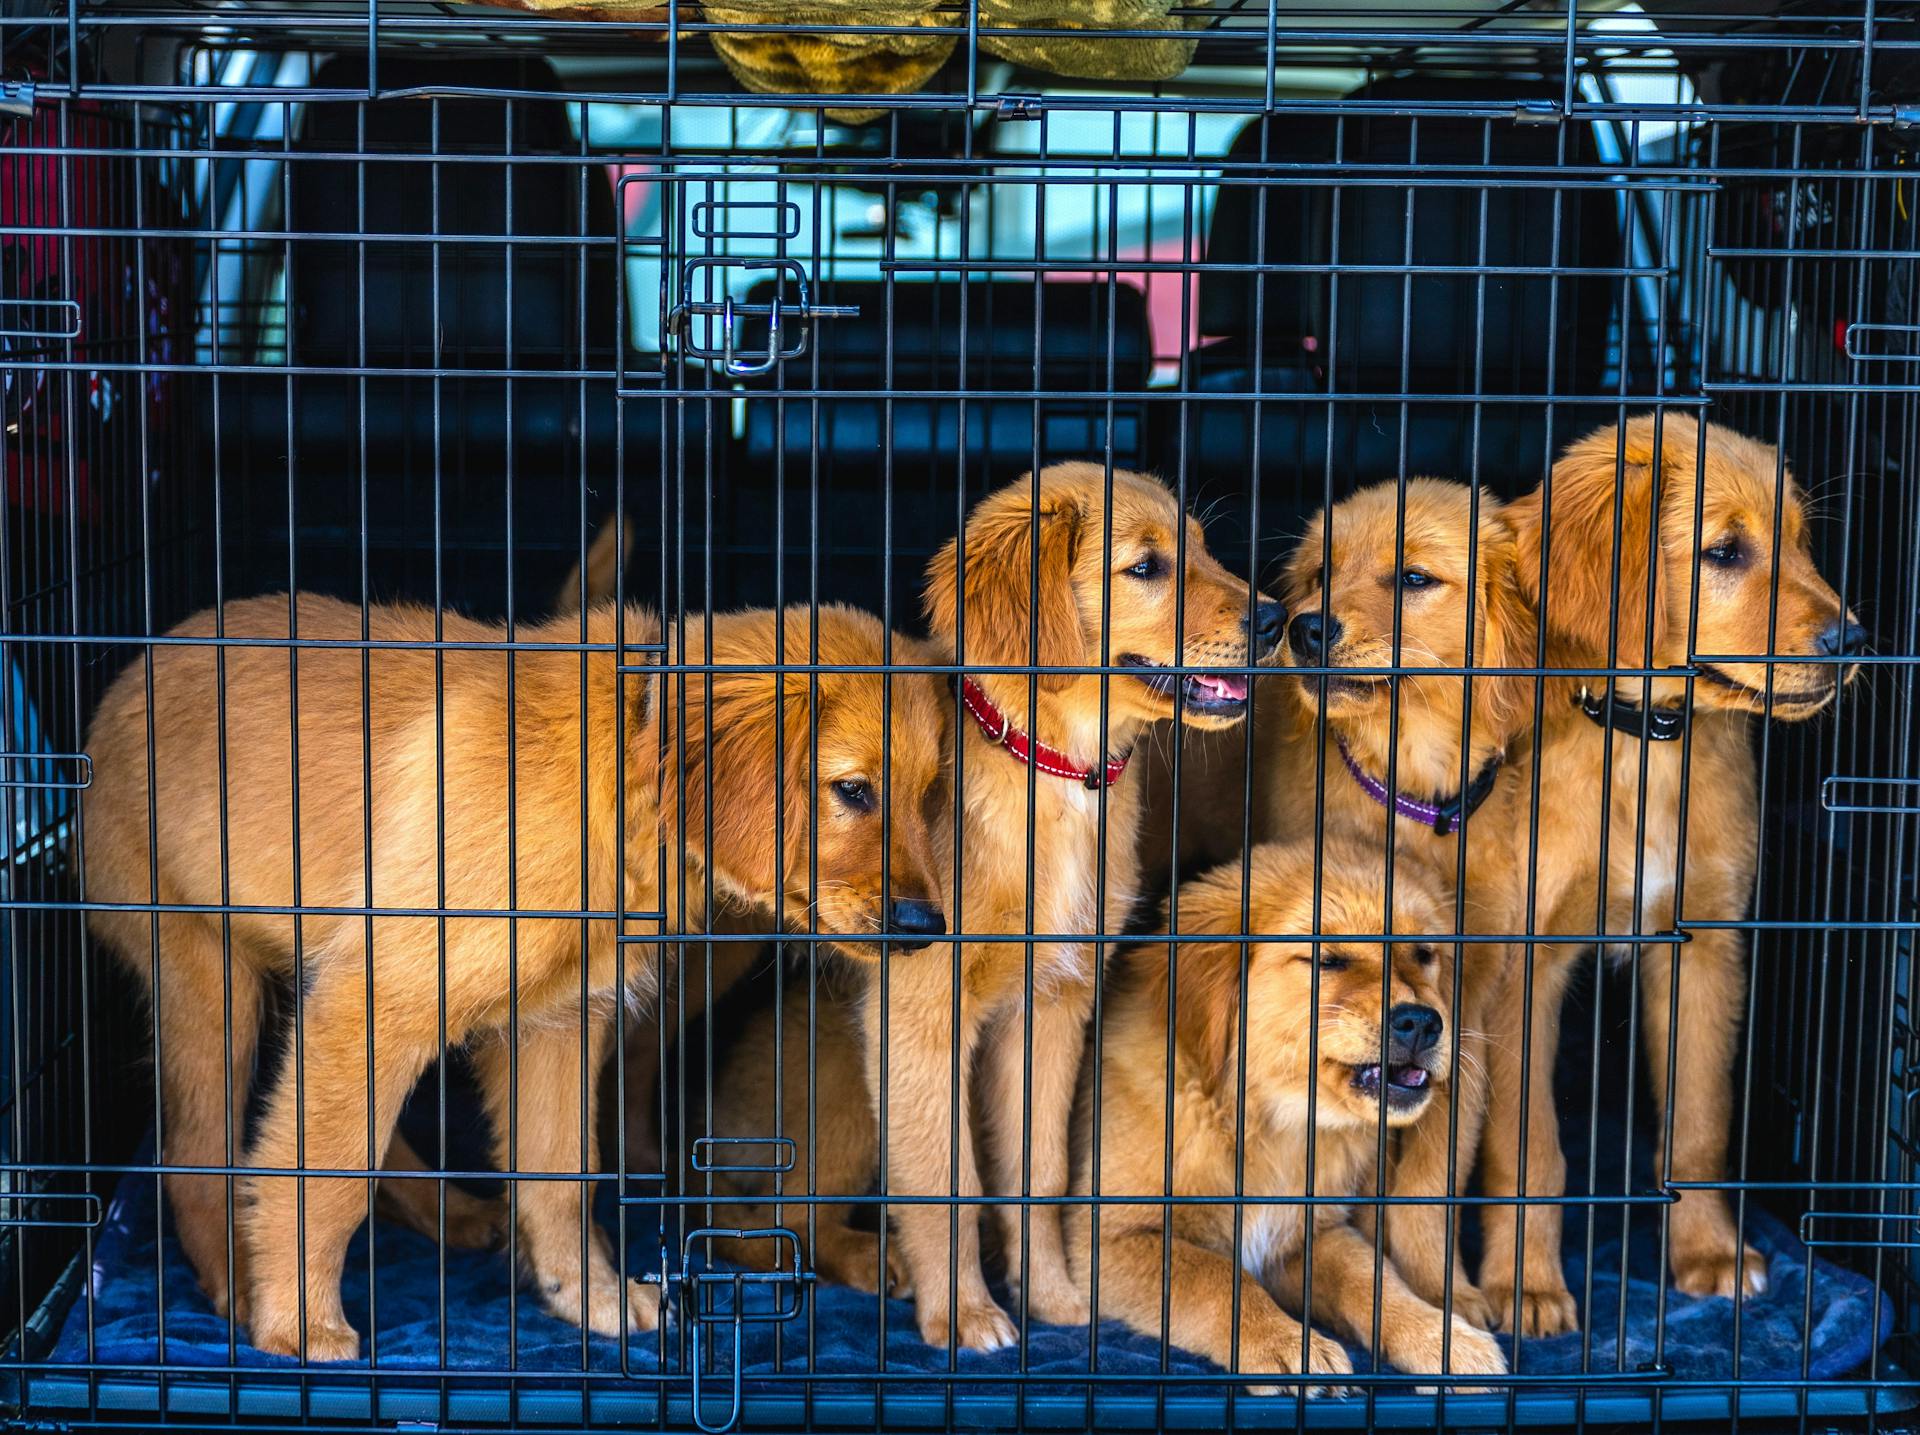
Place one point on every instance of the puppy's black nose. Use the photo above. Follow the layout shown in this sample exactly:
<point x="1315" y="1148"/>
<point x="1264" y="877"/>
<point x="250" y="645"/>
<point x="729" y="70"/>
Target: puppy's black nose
<point x="1413" y="1028"/>
<point x="911" y="919"/>
<point x="1269" y="621"/>
<point x="1842" y="638"/>
<point x="1312" y="637"/>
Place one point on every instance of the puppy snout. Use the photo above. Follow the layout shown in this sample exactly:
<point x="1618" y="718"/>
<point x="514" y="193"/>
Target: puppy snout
<point x="1269" y="621"/>
<point x="1312" y="636"/>
<point x="1842" y="638"/>
<point x="912" y="923"/>
<point x="1413" y="1029"/>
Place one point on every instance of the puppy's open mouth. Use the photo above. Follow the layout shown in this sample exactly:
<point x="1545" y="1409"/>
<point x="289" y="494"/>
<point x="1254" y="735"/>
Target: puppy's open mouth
<point x="1406" y="1085"/>
<point x="1201" y="692"/>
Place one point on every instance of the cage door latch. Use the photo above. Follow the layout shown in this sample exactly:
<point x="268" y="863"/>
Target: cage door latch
<point x="768" y="1295"/>
<point x="789" y="316"/>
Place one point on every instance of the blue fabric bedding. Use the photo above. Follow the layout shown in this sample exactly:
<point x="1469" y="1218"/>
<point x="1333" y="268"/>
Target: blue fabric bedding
<point x="116" y="1322"/>
<point x="1817" y="1321"/>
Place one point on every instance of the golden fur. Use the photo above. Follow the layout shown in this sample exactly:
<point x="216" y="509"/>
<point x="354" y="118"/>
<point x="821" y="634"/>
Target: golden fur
<point x="1464" y="549"/>
<point x="440" y="800"/>
<point x="1744" y="494"/>
<point x="1090" y="534"/>
<point x="1244" y="1117"/>
<point x="1077" y="563"/>
<point x="705" y="972"/>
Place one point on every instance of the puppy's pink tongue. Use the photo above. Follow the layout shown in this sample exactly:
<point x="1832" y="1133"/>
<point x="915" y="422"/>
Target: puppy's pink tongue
<point x="1232" y="689"/>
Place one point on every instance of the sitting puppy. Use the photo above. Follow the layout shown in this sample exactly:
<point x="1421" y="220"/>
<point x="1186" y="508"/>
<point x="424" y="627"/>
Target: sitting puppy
<point x="1647" y="788"/>
<point x="1416" y="577"/>
<point x="1279" y="1051"/>
<point x="480" y="817"/>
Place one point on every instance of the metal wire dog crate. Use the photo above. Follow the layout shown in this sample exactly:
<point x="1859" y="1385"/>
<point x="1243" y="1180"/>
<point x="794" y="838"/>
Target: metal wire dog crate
<point x="415" y="300"/>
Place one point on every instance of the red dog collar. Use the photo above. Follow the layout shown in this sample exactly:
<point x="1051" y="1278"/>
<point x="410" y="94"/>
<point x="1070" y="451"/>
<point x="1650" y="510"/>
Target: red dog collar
<point x="999" y="729"/>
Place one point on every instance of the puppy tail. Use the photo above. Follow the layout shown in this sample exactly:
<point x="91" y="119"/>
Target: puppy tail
<point x="610" y="549"/>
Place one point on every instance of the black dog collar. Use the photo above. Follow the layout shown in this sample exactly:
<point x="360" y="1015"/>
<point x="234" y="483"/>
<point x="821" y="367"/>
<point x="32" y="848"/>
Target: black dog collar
<point x="1647" y="724"/>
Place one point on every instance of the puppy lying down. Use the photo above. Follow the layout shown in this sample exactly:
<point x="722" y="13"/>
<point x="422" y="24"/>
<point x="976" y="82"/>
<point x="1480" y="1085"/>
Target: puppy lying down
<point x="1333" y="1040"/>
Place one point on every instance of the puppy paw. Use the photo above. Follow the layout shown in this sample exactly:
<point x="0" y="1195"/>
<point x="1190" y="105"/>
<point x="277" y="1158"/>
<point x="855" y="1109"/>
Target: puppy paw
<point x="1714" y="1272"/>
<point x="642" y="1309"/>
<point x="1541" y="1310"/>
<point x="608" y="1300"/>
<point x="1468" y="1350"/>
<point x="328" y="1338"/>
<point x="1325" y="1356"/>
<point x="1469" y="1301"/>
<point x="1470" y="1304"/>
<point x="976" y="1325"/>
<point x="857" y="1268"/>
<point x="1053" y="1297"/>
<point x="899" y="1273"/>
<point x="474" y="1223"/>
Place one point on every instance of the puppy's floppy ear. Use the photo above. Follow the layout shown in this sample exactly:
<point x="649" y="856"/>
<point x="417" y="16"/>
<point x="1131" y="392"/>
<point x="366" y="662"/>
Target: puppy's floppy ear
<point x="1607" y="466"/>
<point x="1207" y="993"/>
<point x="1001" y="591"/>
<point x="739" y="758"/>
<point x="1509" y="625"/>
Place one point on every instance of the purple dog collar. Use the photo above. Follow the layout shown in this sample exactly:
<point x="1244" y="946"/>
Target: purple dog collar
<point x="1442" y="817"/>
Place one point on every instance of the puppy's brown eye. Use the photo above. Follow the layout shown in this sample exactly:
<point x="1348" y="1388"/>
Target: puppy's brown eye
<point x="1334" y="961"/>
<point x="1724" y="554"/>
<point x="1148" y="567"/>
<point x="1416" y="578"/>
<point x="856" y="792"/>
<point x="1426" y="956"/>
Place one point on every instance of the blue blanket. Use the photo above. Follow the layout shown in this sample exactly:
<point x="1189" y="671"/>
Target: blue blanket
<point x="1813" y="1312"/>
<point x="1817" y="1321"/>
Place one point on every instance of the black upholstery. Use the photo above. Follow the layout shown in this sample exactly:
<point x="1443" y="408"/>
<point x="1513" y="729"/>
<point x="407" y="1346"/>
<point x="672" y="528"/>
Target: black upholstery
<point x="436" y="453"/>
<point x="1096" y="339"/>
<point x="1293" y="203"/>
<point x="562" y="289"/>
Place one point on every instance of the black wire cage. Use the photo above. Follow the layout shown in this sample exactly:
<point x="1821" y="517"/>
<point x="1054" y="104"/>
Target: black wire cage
<point x="485" y="316"/>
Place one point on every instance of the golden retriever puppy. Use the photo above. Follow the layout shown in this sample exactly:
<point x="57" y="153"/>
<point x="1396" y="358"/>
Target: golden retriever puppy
<point x="450" y="827"/>
<point x="1627" y="606"/>
<point x="1077" y="568"/>
<point x="1426" y="763"/>
<point x="1281" y="1052"/>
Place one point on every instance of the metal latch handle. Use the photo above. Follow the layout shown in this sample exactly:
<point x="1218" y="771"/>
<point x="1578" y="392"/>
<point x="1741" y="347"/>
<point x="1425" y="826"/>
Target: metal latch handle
<point x="740" y="368"/>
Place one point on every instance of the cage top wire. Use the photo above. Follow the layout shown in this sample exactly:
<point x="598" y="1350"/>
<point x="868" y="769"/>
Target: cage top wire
<point x="1804" y="59"/>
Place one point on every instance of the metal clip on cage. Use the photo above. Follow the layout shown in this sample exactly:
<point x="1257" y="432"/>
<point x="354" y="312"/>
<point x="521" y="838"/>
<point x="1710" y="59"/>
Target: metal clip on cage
<point x="702" y="1289"/>
<point x="730" y="312"/>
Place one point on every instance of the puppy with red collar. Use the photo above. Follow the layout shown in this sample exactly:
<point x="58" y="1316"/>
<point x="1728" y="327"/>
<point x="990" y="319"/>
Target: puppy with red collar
<point x="1073" y="570"/>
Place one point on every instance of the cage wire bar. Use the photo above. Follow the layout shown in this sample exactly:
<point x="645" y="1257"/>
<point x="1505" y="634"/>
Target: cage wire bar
<point x="411" y="302"/>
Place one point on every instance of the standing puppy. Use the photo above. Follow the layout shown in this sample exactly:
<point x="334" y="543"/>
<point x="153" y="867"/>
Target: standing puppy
<point x="1074" y="569"/>
<point x="412" y="802"/>
<point x="1679" y="498"/>
<point x="1415" y="578"/>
